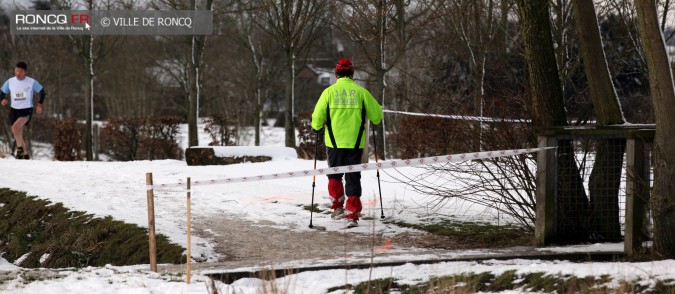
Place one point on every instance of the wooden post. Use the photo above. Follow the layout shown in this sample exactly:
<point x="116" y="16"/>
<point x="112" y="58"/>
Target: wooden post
<point x="544" y="231"/>
<point x="189" y="224"/>
<point x="365" y="156"/>
<point x="637" y="194"/>
<point x="151" y="223"/>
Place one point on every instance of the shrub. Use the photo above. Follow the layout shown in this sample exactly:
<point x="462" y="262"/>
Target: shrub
<point x="222" y="129"/>
<point x="428" y="136"/>
<point x="120" y="138"/>
<point x="66" y="238"/>
<point x="67" y="140"/>
<point x="307" y="137"/>
<point x="142" y="138"/>
<point x="160" y="140"/>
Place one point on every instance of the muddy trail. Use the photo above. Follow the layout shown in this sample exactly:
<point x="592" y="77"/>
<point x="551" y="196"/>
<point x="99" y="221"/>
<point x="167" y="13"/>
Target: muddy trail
<point x="244" y="243"/>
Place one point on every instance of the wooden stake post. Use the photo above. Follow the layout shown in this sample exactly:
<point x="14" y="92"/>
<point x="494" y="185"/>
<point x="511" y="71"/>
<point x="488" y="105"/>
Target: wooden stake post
<point x="151" y="223"/>
<point x="189" y="224"/>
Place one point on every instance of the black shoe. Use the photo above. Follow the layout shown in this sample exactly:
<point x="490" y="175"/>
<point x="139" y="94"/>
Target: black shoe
<point x="25" y="156"/>
<point x="19" y="153"/>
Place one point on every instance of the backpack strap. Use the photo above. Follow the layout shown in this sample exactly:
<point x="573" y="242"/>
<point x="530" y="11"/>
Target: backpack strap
<point x="329" y="127"/>
<point x="363" y="125"/>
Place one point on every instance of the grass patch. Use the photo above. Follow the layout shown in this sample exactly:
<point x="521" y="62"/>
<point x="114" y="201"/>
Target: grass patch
<point x="476" y="234"/>
<point x="315" y="208"/>
<point x="72" y="238"/>
<point x="380" y="286"/>
<point x="510" y="280"/>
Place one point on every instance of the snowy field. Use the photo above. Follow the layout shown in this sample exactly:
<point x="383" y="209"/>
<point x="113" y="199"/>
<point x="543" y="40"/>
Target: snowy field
<point x="118" y="189"/>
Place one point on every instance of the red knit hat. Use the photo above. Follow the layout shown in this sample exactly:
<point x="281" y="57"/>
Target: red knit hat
<point x="344" y="64"/>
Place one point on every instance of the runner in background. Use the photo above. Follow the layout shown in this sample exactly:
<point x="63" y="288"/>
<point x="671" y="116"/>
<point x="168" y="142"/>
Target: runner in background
<point x="21" y="88"/>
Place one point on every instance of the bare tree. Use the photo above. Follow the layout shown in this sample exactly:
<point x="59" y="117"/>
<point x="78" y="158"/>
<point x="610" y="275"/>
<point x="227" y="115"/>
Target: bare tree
<point x="257" y="70"/>
<point x="548" y="109"/>
<point x="295" y="25"/>
<point x="384" y="31"/>
<point x="90" y="52"/>
<point x="605" y="178"/>
<point x="190" y="56"/>
<point x="562" y="24"/>
<point x="474" y="23"/>
<point x="666" y="7"/>
<point x="663" y="95"/>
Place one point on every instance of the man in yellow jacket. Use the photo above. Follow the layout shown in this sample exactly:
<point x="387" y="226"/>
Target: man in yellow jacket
<point x="343" y="108"/>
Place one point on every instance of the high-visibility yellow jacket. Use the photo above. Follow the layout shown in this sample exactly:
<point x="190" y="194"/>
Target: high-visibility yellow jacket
<point x="343" y="108"/>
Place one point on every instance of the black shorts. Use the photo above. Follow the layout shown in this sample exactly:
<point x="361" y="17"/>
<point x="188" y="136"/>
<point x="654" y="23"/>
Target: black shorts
<point x="15" y="114"/>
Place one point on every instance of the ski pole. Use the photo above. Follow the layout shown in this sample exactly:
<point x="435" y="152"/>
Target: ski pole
<point x="379" y="187"/>
<point x="316" y="151"/>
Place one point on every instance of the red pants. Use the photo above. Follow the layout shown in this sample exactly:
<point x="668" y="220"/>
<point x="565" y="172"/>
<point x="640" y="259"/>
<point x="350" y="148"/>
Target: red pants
<point x="336" y="192"/>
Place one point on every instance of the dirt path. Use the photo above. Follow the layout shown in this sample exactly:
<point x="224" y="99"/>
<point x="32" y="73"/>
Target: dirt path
<point x="244" y="240"/>
<point x="244" y="243"/>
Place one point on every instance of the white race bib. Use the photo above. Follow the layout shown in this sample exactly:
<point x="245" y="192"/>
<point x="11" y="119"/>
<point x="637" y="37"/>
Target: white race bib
<point x="20" y="96"/>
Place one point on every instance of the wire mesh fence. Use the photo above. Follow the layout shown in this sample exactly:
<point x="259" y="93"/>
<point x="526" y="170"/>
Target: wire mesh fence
<point x="591" y="177"/>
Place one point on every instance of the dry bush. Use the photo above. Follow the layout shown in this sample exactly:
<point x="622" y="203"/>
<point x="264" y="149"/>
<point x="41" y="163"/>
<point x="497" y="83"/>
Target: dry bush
<point x="307" y="136"/>
<point x="223" y="129"/>
<point x="142" y="138"/>
<point x="160" y="140"/>
<point x="424" y="136"/>
<point x="503" y="184"/>
<point x="120" y="138"/>
<point x="67" y="139"/>
<point x="276" y="285"/>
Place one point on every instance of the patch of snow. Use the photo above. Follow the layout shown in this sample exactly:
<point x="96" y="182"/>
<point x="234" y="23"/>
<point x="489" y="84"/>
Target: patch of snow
<point x="597" y="247"/>
<point x="7" y="266"/>
<point x="19" y="260"/>
<point x="44" y="257"/>
<point x="410" y="274"/>
<point x="108" y="280"/>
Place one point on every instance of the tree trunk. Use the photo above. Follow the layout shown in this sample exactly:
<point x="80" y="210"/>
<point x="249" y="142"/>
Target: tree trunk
<point x="288" y="101"/>
<point x="478" y="49"/>
<point x="193" y="139"/>
<point x="548" y="110"/>
<point x="380" y="88"/>
<point x="381" y="78"/>
<point x="605" y="102"/>
<point x="89" y="92"/>
<point x="258" y="119"/>
<point x="504" y="14"/>
<point x="88" y="105"/>
<point x="605" y="178"/>
<point x="194" y="77"/>
<point x="663" y="95"/>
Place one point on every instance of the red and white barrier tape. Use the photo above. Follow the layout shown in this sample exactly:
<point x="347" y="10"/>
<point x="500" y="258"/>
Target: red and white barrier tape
<point x="461" y="117"/>
<point x="356" y="168"/>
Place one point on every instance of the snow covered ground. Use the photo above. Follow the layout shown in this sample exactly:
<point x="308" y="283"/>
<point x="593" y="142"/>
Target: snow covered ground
<point x="136" y="279"/>
<point x="118" y="189"/>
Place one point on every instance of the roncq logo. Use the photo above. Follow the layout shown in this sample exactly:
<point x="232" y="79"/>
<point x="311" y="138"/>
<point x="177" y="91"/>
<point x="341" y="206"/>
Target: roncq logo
<point x="50" y="19"/>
